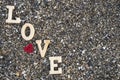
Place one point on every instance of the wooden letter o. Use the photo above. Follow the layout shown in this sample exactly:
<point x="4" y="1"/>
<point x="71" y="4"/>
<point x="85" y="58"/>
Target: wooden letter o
<point x="32" y="31"/>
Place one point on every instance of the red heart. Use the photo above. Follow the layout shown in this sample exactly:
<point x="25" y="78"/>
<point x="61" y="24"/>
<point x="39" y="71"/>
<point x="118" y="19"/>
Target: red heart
<point x="29" y="48"/>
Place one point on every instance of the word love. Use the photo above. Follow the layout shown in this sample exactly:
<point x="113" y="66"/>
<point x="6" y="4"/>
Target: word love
<point x="38" y="42"/>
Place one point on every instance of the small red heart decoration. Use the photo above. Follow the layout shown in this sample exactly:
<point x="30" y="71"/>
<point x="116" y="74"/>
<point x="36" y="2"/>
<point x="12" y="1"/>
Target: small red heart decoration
<point x="29" y="48"/>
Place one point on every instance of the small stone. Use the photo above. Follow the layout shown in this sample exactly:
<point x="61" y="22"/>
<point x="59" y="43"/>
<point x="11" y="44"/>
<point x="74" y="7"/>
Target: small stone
<point x="104" y="47"/>
<point x="17" y="74"/>
<point x="1" y="57"/>
<point x="35" y="63"/>
<point x="83" y="51"/>
<point x="69" y="76"/>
